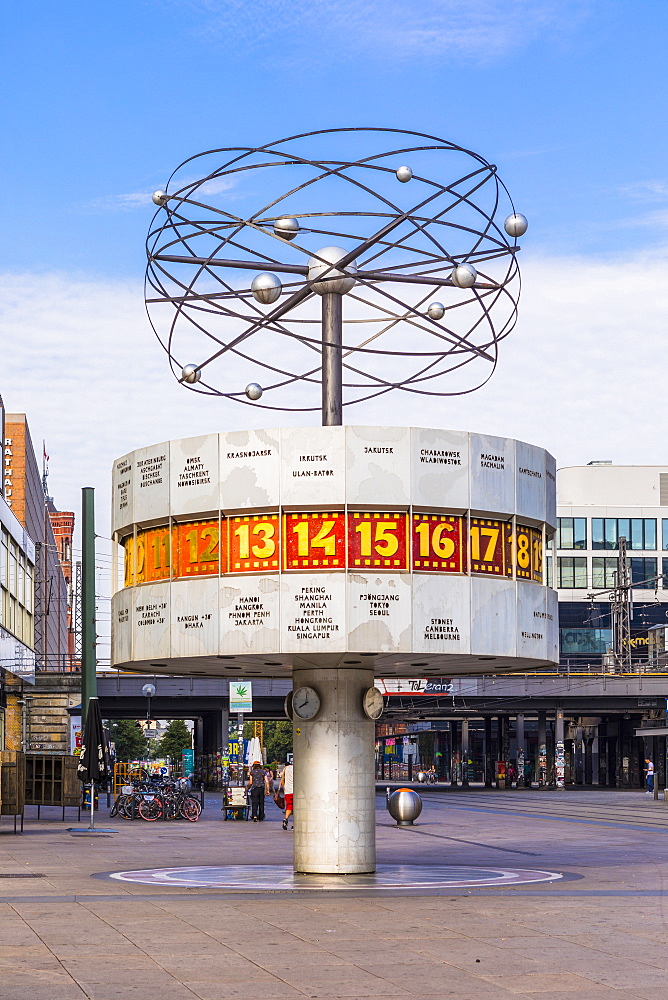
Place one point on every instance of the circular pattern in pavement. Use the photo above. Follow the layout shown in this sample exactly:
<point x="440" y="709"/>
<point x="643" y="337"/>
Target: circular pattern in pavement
<point x="251" y="878"/>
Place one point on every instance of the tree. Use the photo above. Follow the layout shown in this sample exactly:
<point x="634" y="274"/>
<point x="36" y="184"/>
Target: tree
<point x="278" y="740"/>
<point x="130" y="741"/>
<point x="176" y="738"/>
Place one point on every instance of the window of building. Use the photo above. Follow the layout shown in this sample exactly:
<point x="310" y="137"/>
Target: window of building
<point x="572" y="533"/>
<point x="643" y="572"/>
<point x="639" y="532"/>
<point x="548" y="570"/>
<point x="664" y="570"/>
<point x="572" y="572"/>
<point x="603" y="571"/>
<point x="664" y="533"/>
<point x="604" y="533"/>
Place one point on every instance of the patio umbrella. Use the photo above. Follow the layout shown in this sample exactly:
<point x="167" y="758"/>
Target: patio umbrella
<point x="94" y="764"/>
<point x="254" y="751"/>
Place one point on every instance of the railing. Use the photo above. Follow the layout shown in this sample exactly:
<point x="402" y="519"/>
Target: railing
<point x="58" y="663"/>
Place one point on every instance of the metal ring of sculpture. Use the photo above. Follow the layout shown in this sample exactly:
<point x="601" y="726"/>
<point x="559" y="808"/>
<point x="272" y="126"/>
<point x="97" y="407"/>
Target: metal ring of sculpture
<point x="246" y="242"/>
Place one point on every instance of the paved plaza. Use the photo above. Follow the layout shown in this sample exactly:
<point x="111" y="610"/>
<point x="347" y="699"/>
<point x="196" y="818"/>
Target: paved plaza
<point x="598" y="932"/>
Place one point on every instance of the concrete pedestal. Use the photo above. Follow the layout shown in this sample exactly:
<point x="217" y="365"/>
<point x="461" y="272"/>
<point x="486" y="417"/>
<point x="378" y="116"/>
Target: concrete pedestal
<point x="334" y="796"/>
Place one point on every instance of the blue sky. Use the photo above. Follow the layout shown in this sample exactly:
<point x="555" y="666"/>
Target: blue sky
<point x="101" y="101"/>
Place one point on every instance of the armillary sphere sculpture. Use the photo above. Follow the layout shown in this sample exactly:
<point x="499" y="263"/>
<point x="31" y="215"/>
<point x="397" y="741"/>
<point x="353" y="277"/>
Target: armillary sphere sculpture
<point x="252" y="251"/>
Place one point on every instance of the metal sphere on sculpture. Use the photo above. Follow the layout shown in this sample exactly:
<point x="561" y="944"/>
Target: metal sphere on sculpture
<point x="404" y="806"/>
<point x="286" y="227"/>
<point x="253" y="391"/>
<point x="516" y="225"/>
<point x="190" y="374"/>
<point x="266" y="288"/>
<point x="159" y="198"/>
<point x="464" y="276"/>
<point x="320" y="213"/>
<point x="338" y="282"/>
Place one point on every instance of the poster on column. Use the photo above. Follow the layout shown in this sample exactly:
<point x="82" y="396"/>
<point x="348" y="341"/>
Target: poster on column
<point x="249" y="469"/>
<point x="122" y="486"/>
<point x="151" y="483"/>
<point x="151" y="621"/>
<point x="194" y="618"/>
<point x="249" y="614"/>
<point x="313" y="467"/>
<point x="379" y="612"/>
<point x="440" y="469"/>
<point x="376" y="463"/>
<point x="121" y="627"/>
<point x="313" y="612"/>
<point x="194" y="486"/>
<point x="441" y="614"/>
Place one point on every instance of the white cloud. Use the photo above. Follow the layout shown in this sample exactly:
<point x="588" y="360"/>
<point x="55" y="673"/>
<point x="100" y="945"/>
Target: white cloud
<point x="651" y="190"/>
<point x="119" y="202"/>
<point x="578" y="375"/>
<point x="480" y="30"/>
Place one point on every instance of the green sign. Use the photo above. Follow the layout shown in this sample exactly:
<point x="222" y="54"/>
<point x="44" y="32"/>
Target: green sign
<point x="188" y="758"/>
<point x="241" y="696"/>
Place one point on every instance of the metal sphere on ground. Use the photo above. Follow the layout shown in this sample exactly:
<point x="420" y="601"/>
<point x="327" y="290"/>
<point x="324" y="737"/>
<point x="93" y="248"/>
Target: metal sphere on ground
<point x="190" y="374"/>
<point x="464" y="276"/>
<point x="422" y="777"/>
<point x="516" y="225"/>
<point x="253" y="391"/>
<point x="436" y="310"/>
<point x="404" y="805"/>
<point x="286" y="227"/>
<point x="404" y="174"/>
<point x="335" y="281"/>
<point x="159" y="198"/>
<point x="266" y="288"/>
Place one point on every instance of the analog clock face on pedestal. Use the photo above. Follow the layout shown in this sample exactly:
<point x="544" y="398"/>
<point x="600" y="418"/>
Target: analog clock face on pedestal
<point x="306" y="703"/>
<point x="373" y="703"/>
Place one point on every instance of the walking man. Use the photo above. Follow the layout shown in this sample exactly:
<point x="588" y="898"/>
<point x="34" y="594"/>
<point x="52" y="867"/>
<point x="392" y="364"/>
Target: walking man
<point x="259" y="787"/>
<point x="649" y="776"/>
<point x="288" y="787"/>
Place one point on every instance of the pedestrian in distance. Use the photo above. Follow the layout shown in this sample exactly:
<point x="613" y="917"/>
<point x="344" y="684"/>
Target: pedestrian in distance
<point x="649" y="776"/>
<point x="258" y="785"/>
<point x="287" y="786"/>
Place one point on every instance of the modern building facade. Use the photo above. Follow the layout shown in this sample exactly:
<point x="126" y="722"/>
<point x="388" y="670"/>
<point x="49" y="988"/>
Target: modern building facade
<point x="597" y="505"/>
<point x="17" y="656"/>
<point x="24" y="494"/>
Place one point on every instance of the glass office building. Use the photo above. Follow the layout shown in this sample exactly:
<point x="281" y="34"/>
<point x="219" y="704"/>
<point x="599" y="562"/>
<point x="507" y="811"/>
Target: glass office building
<point x="598" y="504"/>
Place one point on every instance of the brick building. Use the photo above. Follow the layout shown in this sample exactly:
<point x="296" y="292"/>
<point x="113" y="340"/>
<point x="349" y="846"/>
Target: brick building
<point x="62" y="522"/>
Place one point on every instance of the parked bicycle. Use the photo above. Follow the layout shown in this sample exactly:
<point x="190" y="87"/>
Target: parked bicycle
<point x="152" y="800"/>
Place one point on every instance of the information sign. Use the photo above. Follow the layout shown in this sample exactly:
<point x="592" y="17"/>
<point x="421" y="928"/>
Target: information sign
<point x="254" y="543"/>
<point x="314" y="541"/>
<point x="188" y="759"/>
<point x="378" y="540"/>
<point x="439" y="543"/>
<point x="241" y="696"/>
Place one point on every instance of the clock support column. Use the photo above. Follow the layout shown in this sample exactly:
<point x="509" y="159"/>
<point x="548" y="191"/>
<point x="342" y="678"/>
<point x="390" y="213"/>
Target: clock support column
<point x="334" y="777"/>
